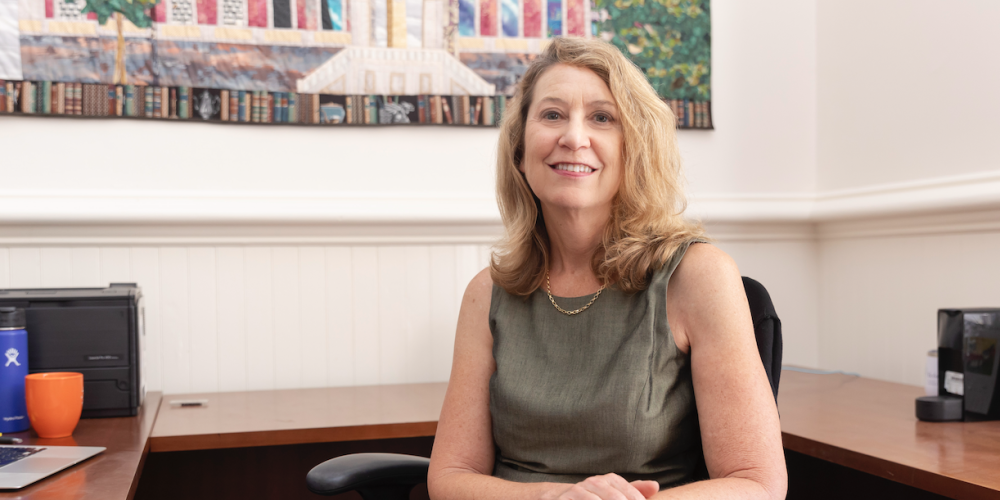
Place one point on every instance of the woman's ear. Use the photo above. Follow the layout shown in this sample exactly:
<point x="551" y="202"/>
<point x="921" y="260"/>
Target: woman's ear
<point x="520" y="166"/>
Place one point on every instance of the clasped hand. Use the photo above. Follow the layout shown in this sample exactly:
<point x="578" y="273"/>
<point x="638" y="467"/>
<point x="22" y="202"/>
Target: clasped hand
<point x="606" y="487"/>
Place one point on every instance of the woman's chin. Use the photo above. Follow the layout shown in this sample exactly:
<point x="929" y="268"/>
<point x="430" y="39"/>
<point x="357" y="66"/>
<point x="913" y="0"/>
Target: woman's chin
<point x="576" y="204"/>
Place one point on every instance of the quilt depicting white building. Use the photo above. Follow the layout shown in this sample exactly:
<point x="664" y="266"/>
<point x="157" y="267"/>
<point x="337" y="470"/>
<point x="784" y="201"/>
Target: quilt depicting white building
<point x="389" y="47"/>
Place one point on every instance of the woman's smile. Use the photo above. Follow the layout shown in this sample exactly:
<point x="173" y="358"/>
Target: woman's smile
<point x="573" y="169"/>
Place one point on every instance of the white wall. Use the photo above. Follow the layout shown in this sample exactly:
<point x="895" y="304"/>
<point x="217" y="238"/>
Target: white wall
<point x="907" y="90"/>
<point x="907" y="108"/>
<point x="119" y="155"/>
<point x="242" y="235"/>
<point x="788" y="266"/>
<point x="852" y="172"/>
<point x="763" y="87"/>
<point x="836" y="176"/>
<point x="880" y="294"/>
<point x="763" y="101"/>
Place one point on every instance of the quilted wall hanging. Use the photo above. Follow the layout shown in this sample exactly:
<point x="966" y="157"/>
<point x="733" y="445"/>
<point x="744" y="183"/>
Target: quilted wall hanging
<point x="358" y="62"/>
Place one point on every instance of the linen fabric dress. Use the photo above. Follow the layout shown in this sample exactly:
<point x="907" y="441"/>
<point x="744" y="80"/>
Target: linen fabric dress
<point x="606" y="390"/>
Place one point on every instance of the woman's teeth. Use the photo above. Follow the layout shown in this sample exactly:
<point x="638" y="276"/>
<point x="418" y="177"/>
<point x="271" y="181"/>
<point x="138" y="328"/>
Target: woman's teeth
<point x="572" y="167"/>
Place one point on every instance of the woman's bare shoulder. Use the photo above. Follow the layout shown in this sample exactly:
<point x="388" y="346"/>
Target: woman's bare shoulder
<point x="704" y="264"/>
<point x="706" y="283"/>
<point x="475" y="313"/>
<point x="480" y="287"/>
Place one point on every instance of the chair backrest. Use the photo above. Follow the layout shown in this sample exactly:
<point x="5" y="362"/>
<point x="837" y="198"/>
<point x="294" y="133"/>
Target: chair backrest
<point x="767" y="330"/>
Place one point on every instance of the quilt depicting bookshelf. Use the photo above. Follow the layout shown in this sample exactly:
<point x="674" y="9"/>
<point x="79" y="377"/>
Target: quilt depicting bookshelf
<point x="362" y="62"/>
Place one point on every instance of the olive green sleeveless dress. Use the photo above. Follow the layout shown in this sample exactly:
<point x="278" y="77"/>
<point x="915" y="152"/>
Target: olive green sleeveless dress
<point x="603" y="391"/>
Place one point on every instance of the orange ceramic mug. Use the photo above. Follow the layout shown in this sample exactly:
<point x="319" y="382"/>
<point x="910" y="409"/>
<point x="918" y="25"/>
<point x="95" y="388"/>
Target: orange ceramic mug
<point x="55" y="401"/>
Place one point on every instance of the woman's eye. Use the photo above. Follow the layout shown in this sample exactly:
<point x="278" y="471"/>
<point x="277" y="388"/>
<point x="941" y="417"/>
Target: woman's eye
<point x="551" y="115"/>
<point x="602" y="118"/>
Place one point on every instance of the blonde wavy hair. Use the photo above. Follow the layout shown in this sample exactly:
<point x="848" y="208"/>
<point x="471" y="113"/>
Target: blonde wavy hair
<point x="646" y="226"/>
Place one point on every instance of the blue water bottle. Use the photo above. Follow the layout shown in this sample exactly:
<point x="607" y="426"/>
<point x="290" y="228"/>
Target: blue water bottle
<point x="13" y="369"/>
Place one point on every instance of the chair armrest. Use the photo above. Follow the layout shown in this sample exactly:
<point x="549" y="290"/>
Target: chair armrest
<point x="373" y="475"/>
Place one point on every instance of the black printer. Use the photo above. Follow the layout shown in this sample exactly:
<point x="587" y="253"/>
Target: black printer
<point x="93" y="331"/>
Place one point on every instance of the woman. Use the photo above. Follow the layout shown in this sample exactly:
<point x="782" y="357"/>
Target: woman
<point x="576" y="374"/>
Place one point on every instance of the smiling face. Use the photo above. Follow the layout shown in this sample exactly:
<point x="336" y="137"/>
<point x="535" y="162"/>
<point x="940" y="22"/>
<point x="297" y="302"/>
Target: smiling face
<point x="572" y="141"/>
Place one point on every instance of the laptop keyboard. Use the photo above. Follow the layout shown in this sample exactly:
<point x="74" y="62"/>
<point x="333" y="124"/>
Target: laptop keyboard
<point x="11" y="454"/>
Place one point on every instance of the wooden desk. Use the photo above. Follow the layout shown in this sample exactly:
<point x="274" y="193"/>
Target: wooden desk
<point x="859" y="423"/>
<point x="261" y="444"/>
<point x="869" y="425"/>
<point x="113" y="474"/>
<point x="297" y="416"/>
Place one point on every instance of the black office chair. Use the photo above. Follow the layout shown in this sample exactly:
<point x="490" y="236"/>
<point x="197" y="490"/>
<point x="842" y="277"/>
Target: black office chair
<point x="766" y="329"/>
<point x="389" y="476"/>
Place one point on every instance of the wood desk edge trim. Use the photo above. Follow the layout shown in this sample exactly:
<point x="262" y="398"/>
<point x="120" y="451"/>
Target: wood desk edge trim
<point x="291" y="436"/>
<point x="929" y="481"/>
<point x="145" y="448"/>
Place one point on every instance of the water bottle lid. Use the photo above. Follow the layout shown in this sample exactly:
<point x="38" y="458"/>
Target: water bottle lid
<point x="11" y="318"/>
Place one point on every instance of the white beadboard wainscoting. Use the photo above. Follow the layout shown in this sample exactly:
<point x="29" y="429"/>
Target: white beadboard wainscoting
<point x="245" y="307"/>
<point x="235" y="318"/>
<point x="251" y="317"/>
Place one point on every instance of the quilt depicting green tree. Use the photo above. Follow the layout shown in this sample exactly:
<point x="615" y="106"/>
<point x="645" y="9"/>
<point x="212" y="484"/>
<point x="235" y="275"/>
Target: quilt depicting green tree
<point x="670" y="40"/>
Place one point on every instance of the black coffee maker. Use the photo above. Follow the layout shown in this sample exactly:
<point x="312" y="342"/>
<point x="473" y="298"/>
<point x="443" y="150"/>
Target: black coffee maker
<point x="968" y="367"/>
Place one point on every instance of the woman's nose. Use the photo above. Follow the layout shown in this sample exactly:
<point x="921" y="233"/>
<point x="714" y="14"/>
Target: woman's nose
<point x="575" y="135"/>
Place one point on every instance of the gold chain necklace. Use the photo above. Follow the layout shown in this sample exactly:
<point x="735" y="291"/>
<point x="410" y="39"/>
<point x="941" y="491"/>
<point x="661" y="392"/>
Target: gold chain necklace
<point x="548" y="289"/>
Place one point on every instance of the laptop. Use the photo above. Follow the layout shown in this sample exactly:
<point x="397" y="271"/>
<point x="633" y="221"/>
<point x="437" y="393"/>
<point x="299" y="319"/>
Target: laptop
<point x="22" y="465"/>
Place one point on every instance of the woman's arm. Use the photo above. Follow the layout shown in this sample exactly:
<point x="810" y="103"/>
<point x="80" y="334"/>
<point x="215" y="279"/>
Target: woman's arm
<point x="462" y="459"/>
<point x="740" y="431"/>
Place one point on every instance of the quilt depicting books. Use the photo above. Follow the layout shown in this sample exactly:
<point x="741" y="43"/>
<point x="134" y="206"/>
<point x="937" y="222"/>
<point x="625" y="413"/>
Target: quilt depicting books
<point x="359" y="62"/>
